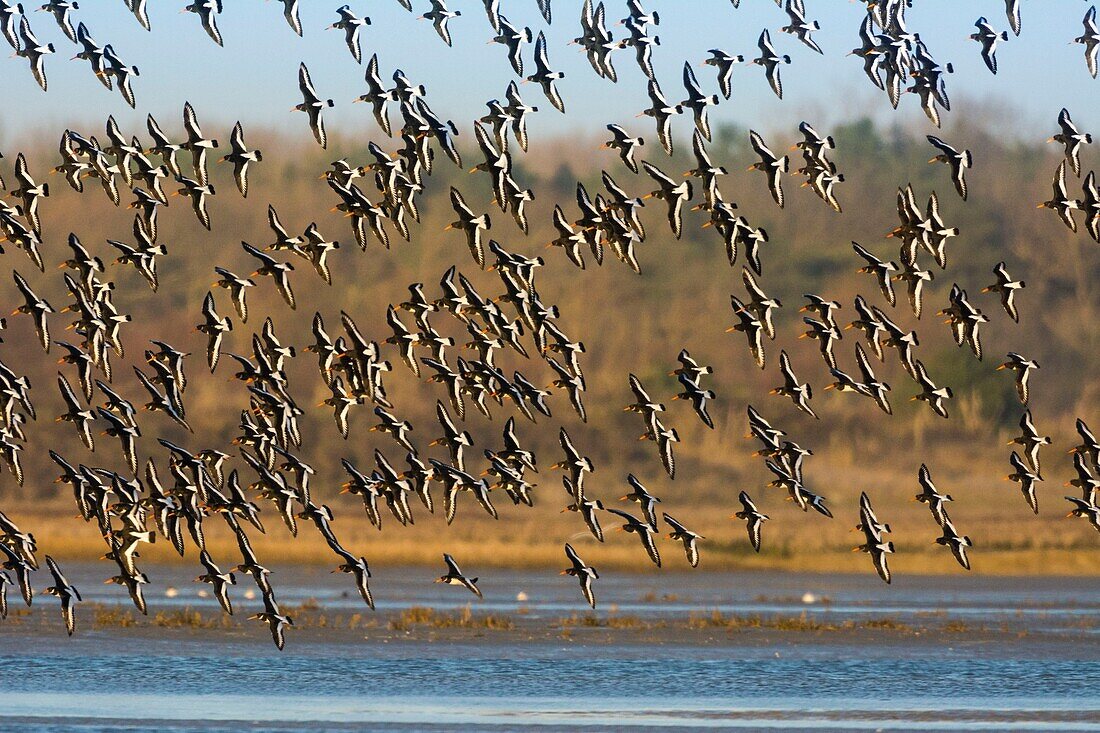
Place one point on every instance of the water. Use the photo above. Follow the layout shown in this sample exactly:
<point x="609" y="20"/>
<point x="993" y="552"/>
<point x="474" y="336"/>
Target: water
<point x="1031" y="662"/>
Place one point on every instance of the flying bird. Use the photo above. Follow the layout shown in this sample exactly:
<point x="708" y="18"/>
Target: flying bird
<point x="312" y="105"/>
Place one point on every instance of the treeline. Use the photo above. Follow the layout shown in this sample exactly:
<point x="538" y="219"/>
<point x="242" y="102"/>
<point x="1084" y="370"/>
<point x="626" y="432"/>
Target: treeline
<point x="629" y="323"/>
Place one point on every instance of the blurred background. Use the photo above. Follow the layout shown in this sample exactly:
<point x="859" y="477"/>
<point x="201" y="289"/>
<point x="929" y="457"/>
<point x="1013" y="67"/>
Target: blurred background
<point x="629" y="323"/>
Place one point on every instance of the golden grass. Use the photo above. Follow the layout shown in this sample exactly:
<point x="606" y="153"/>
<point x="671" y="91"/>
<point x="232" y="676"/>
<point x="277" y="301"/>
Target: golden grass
<point x="610" y="621"/>
<point x="464" y="619"/>
<point x="191" y="619"/>
<point x="803" y="622"/>
<point x="815" y="547"/>
<point x="681" y="300"/>
<point x="106" y="617"/>
<point x="430" y="622"/>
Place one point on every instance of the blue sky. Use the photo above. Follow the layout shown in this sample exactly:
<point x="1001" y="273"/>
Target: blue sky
<point x="254" y="77"/>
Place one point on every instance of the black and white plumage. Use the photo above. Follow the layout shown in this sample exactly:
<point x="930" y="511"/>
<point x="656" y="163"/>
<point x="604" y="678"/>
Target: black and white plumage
<point x="312" y="105"/>
<point x="771" y="60"/>
<point x="208" y="10"/>
<point x="1061" y="202"/>
<point x="240" y="156"/>
<point x="1012" y="10"/>
<point x="35" y="52"/>
<point x="237" y="287"/>
<point x="1090" y="205"/>
<point x="65" y="592"/>
<point x="697" y="396"/>
<point x="674" y="194"/>
<point x="1090" y="39"/>
<point x="545" y="76"/>
<point x="956" y="542"/>
<point x="15" y="562"/>
<point x="1071" y="139"/>
<point x="441" y="15"/>
<point x="141" y="12"/>
<point x="958" y="160"/>
<point x="10" y="13"/>
<point x="75" y="412"/>
<point x="352" y="26"/>
<point x="29" y="192"/>
<point x="220" y="581"/>
<point x="876" y="388"/>
<point x="377" y="95"/>
<point x="754" y="519"/>
<point x="290" y="14"/>
<point x="883" y="272"/>
<point x="1023" y="475"/>
<point x="662" y="113"/>
<point x="279" y="272"/>
<point x="697" y="101"/>
<point x="1030" y="441"/>
<point x="584" y="573"/>
<point x="1006" y="287"/>
<point x="914" y="279"/>
<point x="513" y="39"/>
<point x="873" y="544"/>
<point x="61" y="10"/>
<point x="988" y="37"/>
<point x="35" y="307"/>
<point x="625" y="144"/>
<point x="472" y="225"/>
<point x="454" y="576"/>
<point x="215" y="327"/>
<point x="935" y="396"/>
<point x="799" y="392"/>
<point x="724" y="63"/>
<point x="197" y="192"/>
<point x="799" y="26"/>
<point x="749" y="324"/>
<point x="646" y="501"/>
<point x="1022" y="368"/>
<point x="644" y="531"/>
<point x="770" y="165"/>
<point x="277" y="621"/>
<point x="689" y="539"/>
<point x="931" y="496"/>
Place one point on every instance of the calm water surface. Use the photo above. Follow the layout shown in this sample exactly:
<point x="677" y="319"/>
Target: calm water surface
<point x="1043" y="674"/>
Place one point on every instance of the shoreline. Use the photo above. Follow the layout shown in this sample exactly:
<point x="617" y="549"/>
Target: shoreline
<point x="415" y="625"/>
<point x="309" y="551"/>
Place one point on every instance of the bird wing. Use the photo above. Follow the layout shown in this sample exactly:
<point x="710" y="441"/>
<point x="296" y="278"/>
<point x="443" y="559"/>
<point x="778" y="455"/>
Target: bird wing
<point x="305" y="83"/>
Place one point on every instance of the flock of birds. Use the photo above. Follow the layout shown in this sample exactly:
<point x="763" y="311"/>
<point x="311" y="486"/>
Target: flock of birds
<point x="133" y="507"/>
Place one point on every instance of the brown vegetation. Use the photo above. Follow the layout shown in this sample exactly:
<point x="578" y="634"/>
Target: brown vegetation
<point x="629" y="323"/>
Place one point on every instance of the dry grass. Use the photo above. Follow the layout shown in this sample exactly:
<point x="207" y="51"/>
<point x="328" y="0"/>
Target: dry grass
<point x="189" y="618"/>
<point x="628" y="324"/>
<point x="430" y="622"/>
<point x="797" y="545"/>
<point x="735" y="622"/>
<point x="610" y="621"/>
<point x="106" y="617"/>
<point x="423" y="616"/>
<point x="716" y="620"/>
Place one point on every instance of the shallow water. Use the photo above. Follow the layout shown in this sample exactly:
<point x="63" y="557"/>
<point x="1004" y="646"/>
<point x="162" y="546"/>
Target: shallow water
<point x="1039" y="671"/>
<point x="669" y="593"/>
